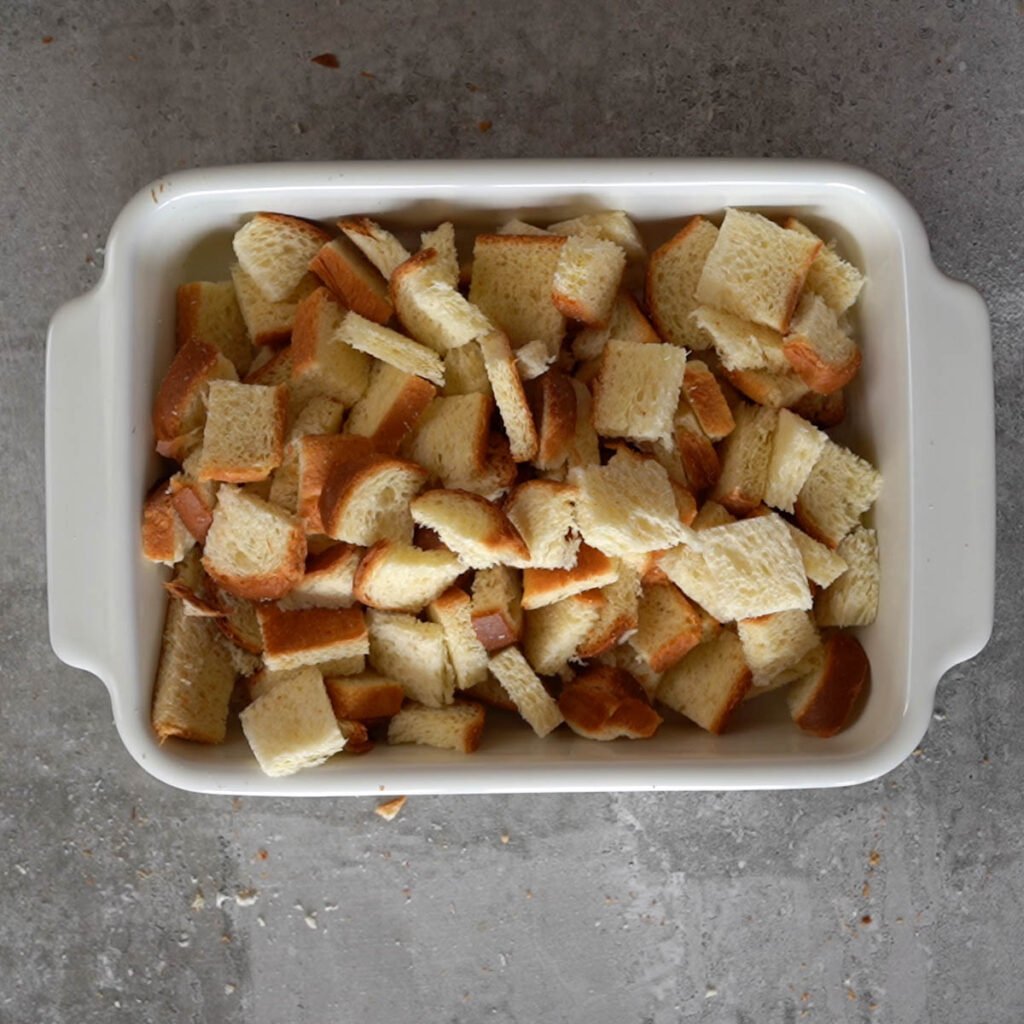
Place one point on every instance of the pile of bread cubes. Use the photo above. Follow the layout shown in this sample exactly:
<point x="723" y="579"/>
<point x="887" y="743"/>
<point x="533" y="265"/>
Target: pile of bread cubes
<point x="547" y="477"/>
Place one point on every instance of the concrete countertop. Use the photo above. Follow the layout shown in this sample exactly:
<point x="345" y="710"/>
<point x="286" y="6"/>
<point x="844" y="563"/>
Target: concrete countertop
<point x="121" y="899"/>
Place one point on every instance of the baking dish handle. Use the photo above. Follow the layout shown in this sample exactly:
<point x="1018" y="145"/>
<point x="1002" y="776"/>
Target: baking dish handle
<point x="77" y="472"/>
<point x="954" y="473"/>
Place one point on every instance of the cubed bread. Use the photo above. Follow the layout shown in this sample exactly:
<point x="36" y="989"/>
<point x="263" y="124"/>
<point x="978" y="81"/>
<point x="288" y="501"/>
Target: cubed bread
<point x="352" y="280"/>
<point x="709" y="684"/>
<point x="509" y="396"/>
<point x="310" y="636"/>
<point x="253" y="549"/>
<point x="672" y="275"/>
<point x="194" y="679"/>
<point x="391" y="408"/>
<point x="452" y="437"/>
<point x="497" y="609"/>
<point x="268" y="323"/>
<point x="271" y="366"/>
<point x="391" y="347"/>
<point x="395" y="576"/>
<point x="413" y="654"/>
<point x="587" y="278"/>
<point x="840" y="488"/>
<point x="165" y="537"/>
<point x="606" y="703"/>
<point x="320" y="415"/>
<point x="823" y="701"/>
<point x="637" y="390"/>
<point x="377" y="244"/>
<point x="818" y="349"/>
<point x="318" y="457"/>
<point x="208" y="311"/>
<point x="552" y="400"/>
<point x="697" y="456"/>
<point x="765" y="387"/>
<point x="554" y="633"/>
<point x="328" y="581"/>
<point x="532" y="359"/>
<point x="611" y="225"/>
<point x="584" y="449"/>
<point x="852" y="598"/>
<point x="365" y="696"/>
<point x="322" y="363"/>
<point x="774" y="643"/>
<point x="464" y="371"/>
<point x="684" y="565"/>
<point x="499" y="474"/>
<point x="741" y="344"/>
<point x="619" y="615"/>
<point x="477" y="530"/>
<point x="275" y="251"/>
<point x="626" y="322"/>
<point x="705" y="398"/>
<point x="821" y="563"/>
<point x="238" y="621"/>
<point x="668" y="627"/>
<point x="836" y="281"/>
<point x="293" y="726"/>
<point x="521" y="683"/>
<point x="825" y="411"/>
<point x="512" y="283"/>
<point x="756" y="269"/>
<point x="442" y="240"/>
<point x="543" y="511"/>
<point x="745" y="456"/>
<point x="243" y="437"/>
<point x="593" y="569"/>
<point x="491" y="693"/>
<point x="267" y="679"/>
<point x="458" y="726"/>
<point x="453" y="611"/>
<point x="796" y="447"/>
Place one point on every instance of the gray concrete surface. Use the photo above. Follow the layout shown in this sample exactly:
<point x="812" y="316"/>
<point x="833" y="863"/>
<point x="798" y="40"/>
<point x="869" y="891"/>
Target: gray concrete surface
<point x="900" y="901"/>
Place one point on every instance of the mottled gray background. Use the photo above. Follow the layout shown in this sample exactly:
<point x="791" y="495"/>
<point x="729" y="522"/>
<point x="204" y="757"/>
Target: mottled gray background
<point x="900" y="901"/>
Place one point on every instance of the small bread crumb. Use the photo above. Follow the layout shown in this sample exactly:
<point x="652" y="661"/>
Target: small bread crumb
<point x="390" y="808"/>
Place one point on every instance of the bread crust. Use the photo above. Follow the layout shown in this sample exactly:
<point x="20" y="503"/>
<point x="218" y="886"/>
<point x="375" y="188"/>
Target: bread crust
<point x="350" y="276"/>
<point x="552" y="401"/>
<point x="320" y="456"/>
<point x="606" y="703"/>
<point x="178" y="403"/>
<point x="192" y="508"/>
<point x="348" y="477"/>
<point x="707" y="401"/>
<point x="826" y="709"/>
<point x="593" y="569"/>
<point x="359" y="702"/>
<point x="820" y="376"/>
<point x="289" y="633"/>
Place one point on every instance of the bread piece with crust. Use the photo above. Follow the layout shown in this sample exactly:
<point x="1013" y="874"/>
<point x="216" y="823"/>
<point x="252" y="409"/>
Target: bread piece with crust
<point x="669" y="627"/>
<point x="271" y="366"/>
<point x="238" y="622"/>
<point x="320" y="415"/>
<point x="704" y="396"/>
<point x="741" y="344"/>
<point x="822" y="410"/>
<point x="587" y="278"/>
<point x="796" y="446"/>
<point x="509" y="396"/>
<point x="697" y="456"/>
<point x="745" y="457"/>
<point x="552" y="400"/>
<point x="836" y="281"/>
<point x="328" y="581"/>
<point x="477" y="530"/>
<point x="243" y="437"/>
<point x="543" y="511"/>
<point x="310" y="636"/>
<point x="377" y="244"/>
<point x="453" y="611"/>
<point x="521" y="683"/>
<point x="554" y="633"/>
<point x="275" y="251"/>
<point x="364" y="696"/>
<point x="452" y="438"/>
<point x="626" y="322"/>
<point x="352" y="280"/>
<point x="391" y="347"/>
<point x="619" y="615"/>
<point x="840" y="488"/>
<point x="253" y="549"/>
<point x="318" y="457"/>
<point x="208" y="311"/>
<point x="606" y="703"/>
<point x="818" y="349"/>
<point x="413" y="654"/>
<point x="391" y="408"/>
<point x="774" y="643"/>
<point x="268" y="323"/>
<point x="458" y="726"/>
<point x="611" y="225"/>
<point x="852" y="598"/>
<point x="823" y="701"/>
<point x="497" y="610"/>
<point x="593" y="569"/>
<point x="398" y="577"/>
<point x="775" y="390"/>
<point x="165" y="537"/>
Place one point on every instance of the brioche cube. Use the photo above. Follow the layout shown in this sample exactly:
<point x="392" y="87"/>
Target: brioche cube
<point x="532" y="359"/>
<point x="413" y="654"/>
<point x="391" y="408"/>
<point x="253" y="549"/>
<point x="396" y="576"/>
<point x="821" y="563"/>
<point x="607" y="703"/>
<point x="836" y="281"/>
<point x="320" y="415"/>
<point x="391" y="347"/>
<point x="512" y="283"/>
<point x="704" y="396"/>
<point x="740" y="344"/>
<point x="442" y="241"/>
<point x="521" y="683"/>
<point x="627" y="507"/>
<point x="208" y="311"/>
<point x="685" y="566"/>
<point x="497" y="609"/>
<point x="275" y="251"/>
<point x="672" y="275"/>
<point x="554" y="632"/>
<point x="543" y="511"/>
<point x="364" y="696"/>
<point x="474" y="528"/>
<point x="456" y="727"/>
<point x="165" y="537"/>
<point x="352" y="280"/>
<point x="318" y="456"/>
<point x="756" y="269"/>
<point x="377" y="244"/>
<point x="775" y="390"/>
<point x="823" y="701"/>
<point x="269" y="323"/>
<point x="322" y="363"/>
<point x="271" y="366"/>
<point x="625" y="322"/>
<point x="465" y="372"/>
<point x="852" y="598"/>
<point x="776" y="642"/>
<point x="293" y="726"/>
<point x="194" y="680"/>
<point x="668" y="627"/>
<point x="819" y="350"/>
<point x="584" y="448"/>
<point x="796" y="447"/>
<point x="745" y="456"/>
<point x="328" y="581"/>
<point x="709" y="684"/>
<point x="453" y="611"/>
<point x="310" y="636"/>
<point x="509" y="396"/>
<point x="587" y="277"/>
<point x="619" y="615"/>
<point x="593" y="569"/>
<point x="611" y="225"/>
<point x="552" y="399"/>
<point x="452" y="437"/>
<point x="840" y="488"/>
<point x="637" y="390"/>
<point x="696" y="456"/>
<point x="243" y="438"/>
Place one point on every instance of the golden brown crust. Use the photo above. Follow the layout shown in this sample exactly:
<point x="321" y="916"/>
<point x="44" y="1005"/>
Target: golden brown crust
<point x="702" y="391"/>
<point x="288" y="633"/>
<point x="197" y="603"/>
<point x="238" y="623"/>
<point x="266" y="586"/>
<point x="686" y="503"/>
<point x="359" y="702"/>
<point x="159" y="524"/>
<point x="347" y="477"/>
<point x="822" y="410"/>
<point x="605" y="703"/>
<point x="676" y="645"/>
<point x="405" y="412"/>
<point x="775" y="390"/>
<point x="810" y="526"/>
<point x="552" y="401"/>
<point x="319" y="456"/>
<point x="699" y="458"/>
<point x="192" y="508"/>
<point x="734" y="699"/>
<point x="178" y="403"/>
<point x="357" y="737"/>
<point x="474" y="730"/>
<point x="797" y="287"/>
<point x="839" y="683"/>
<point x="276" y="370"/>
<point x="353" y="279"/>
<point x="305" y="347"/>
<point x="592" y="568"/>
<point x="502" y="538"/>
<point x="819" y="375"/>
<point x="367" y="570"/>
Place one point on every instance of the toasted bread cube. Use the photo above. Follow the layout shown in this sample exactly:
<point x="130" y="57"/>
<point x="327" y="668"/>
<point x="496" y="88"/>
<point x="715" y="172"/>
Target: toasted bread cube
<point x="442" y="241"/>
<point x="165" y="537"/>
<point x="509" y="396"/>
<point x="491" y="693"/>
<point x="521" y="683"/>
<point x="208" y="311"/>
<point x="625" y="322"/>
<point x="352" y="280"/>
<point x="840" y="488"/>
<point x="194" y="680"/>
<point x="756" y="269"/>
<point x="836" y="281"/>
<point x="611" y="225"/>
<point x="852" y="598"/>
<point x="584" y="449"/>
<point x="328" y="580"/>
<point x="319" y="456"/>
<point x="775" y="390"/>
<point x="268" y="323"/>
<point x="605" y="703"/>
<point x="266" y="679"/>
<point x="796" y="447"/>
<point x="320" y="415"/>
<point x="821" y="563"/>
<point x="552" y="400"/>
<point x="823" y="701"/>
<point x="697" y="457"/>
<point x="377" y="244"/>
<point x="822" y="410"/>
<point x="452" y="437"/>
<point x="672" y="275"/>
<point x="414" y="654"/>
<point x="593" y="569"/>
<point x="498" y="475"/>
<point x="457" y="727"/>
<point x="322" y="363"/>
<point x="275" y="251"/>
<point x="554" y="632"/>
<point x="819" y="350"/>
<point x="587" y="278"/>
<point x="243" y="438"/>
<point x="669" y="627"/>
<point x="391" y="408"/>
<point x="271" y="366"/>
<point x="543" y="511"/>
<point x="704" y="396"/>
<point x="253" y="549"/>
<point x="685" y="566"/>
<point x="310" y="636"/>
<point x="741" y="344"/>
<point x="619" y="615"/>
<point x="366" y="695"/>
<point x="465" y="372"/>
<point x="637" y="390"/>
<point x="474" y="528"/>
<point x="453" y="611"/>
<point x="395" y="576"/>
<point x="532" y="359"/>
<point x="292" y="726"/>
<point x="774" y="643"/>
<point x="497" y="609"/>
<point x="745" y="457"/>
<point x="238" y="622"/>
<point x="391" y="347"/>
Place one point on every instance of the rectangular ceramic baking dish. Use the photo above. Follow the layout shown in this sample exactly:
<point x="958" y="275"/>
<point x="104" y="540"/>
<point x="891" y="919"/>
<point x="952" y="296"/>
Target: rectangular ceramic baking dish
<point x="922" y="410"/>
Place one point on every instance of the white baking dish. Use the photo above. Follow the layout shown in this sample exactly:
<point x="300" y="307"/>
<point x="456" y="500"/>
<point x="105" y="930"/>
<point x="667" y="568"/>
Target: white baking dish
<point x="922" y="409"/>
